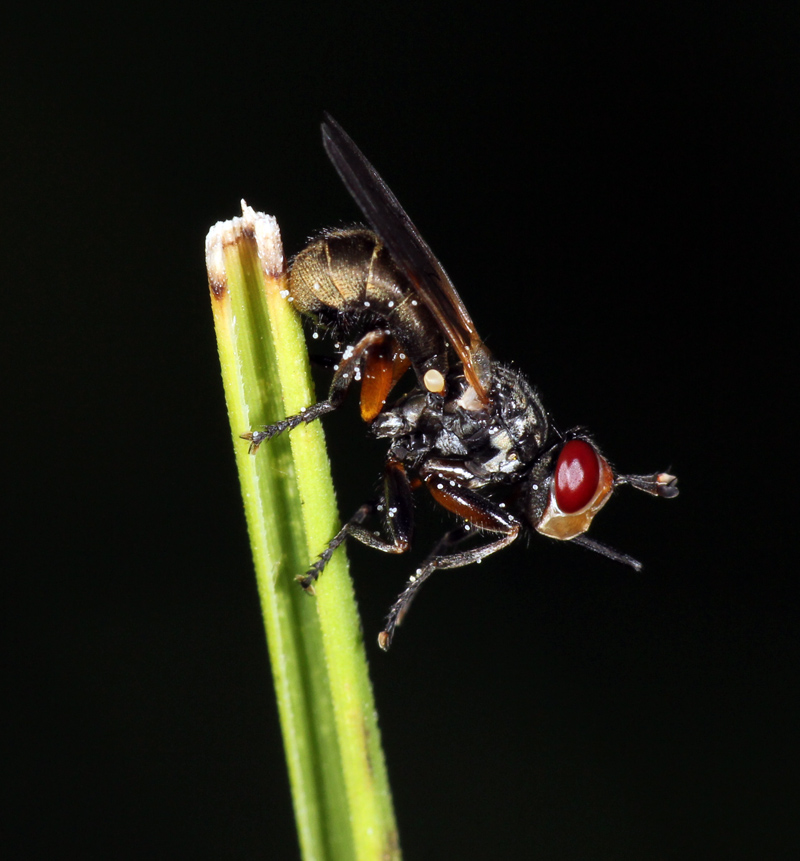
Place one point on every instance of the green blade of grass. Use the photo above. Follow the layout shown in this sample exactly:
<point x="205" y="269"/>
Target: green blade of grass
<point x="336" y="766"/>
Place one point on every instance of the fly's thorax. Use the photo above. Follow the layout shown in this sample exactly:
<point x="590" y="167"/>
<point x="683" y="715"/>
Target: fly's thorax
<point x="413" y="413"/>
<point x="519" y="410"/>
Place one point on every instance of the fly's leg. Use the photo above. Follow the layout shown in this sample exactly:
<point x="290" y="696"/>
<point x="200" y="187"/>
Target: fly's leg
<point x="400" y="607"/>
<point x="398" y="522"/>
<point x="452" y="539"/>
<point x="291" y="422"/>
<point x="308" y="579"/>
<point x="477" y="512"/>
<point x="345" y="373"/>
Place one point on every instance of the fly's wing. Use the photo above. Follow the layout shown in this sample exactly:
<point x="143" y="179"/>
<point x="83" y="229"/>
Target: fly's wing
<point x="409" y="251"/>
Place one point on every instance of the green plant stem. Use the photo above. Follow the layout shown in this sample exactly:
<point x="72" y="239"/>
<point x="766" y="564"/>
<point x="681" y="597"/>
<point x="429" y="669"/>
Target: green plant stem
<point x="336" y="766"/>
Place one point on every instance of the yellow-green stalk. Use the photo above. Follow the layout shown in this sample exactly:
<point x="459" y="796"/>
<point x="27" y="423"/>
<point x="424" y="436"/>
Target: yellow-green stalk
<point x="340" y="789"/>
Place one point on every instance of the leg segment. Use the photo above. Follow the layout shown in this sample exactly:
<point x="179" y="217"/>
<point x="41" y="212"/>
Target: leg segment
<point x="434" y="563"/>
<point x="478" y="512"/>
<point x="342" y="378"/>
<point x="397" y="511"/>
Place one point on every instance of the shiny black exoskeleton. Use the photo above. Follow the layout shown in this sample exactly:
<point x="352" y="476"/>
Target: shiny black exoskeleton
<point x="472" y="430"/>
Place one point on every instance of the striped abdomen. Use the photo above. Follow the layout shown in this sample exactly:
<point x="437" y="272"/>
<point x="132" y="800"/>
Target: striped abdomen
<point x="347" y="279"/>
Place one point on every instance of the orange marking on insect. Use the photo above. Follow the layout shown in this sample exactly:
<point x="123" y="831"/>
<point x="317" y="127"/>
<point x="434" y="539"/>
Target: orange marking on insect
<point x="378" y="378"/>
<point x="440" y="491"/>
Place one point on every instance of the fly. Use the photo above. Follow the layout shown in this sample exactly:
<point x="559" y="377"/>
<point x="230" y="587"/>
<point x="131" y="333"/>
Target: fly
<point x="472" y="430"/>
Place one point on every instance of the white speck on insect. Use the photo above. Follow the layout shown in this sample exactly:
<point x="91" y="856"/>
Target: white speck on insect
<point x="535" y="486"/>
<point x="348" y="352"/>
<point x="414" y="302"/>
<point x="335" y="367"/>
<point x="440" y="486"/>
<point x="316" y="285"/>
<point x="366" y="304"/>
<point x="284" y="294"/>
<point x="391" y="303"/>
<point x="315" y="335"/>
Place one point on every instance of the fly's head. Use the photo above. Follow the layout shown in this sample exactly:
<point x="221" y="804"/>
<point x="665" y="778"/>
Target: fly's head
<point x="571" y="482"/>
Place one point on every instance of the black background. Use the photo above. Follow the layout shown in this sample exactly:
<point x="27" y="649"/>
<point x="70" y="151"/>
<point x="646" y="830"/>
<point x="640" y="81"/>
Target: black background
<point x="612" y="191"/>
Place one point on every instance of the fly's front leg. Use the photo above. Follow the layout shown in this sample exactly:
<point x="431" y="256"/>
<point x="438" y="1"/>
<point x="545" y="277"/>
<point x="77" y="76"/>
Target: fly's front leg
<point x="478" y="512"/>
<point x="346" y="372"/>
<point x="398" y="522"/>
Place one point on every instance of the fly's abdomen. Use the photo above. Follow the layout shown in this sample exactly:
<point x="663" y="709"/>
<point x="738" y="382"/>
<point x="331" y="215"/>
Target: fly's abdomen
<point x="345" y="278"/>
<point x="340" y="271"/>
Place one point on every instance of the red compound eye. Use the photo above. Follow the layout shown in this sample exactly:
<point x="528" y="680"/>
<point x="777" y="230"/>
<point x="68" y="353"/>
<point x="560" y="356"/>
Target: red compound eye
<point x="577" y="476"/>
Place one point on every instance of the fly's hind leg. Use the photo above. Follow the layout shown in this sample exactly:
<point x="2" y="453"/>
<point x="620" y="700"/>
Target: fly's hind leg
<point x="398" y="522"/>
<point x="289" y="423"/>
<point x="340" y="384"/>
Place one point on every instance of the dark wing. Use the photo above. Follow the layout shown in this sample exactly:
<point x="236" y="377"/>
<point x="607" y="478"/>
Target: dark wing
<point x="409" y="251"/>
